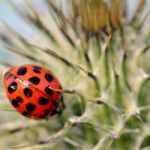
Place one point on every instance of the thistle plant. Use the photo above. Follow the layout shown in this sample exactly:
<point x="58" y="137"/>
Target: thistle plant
<point x="100" y="57"/>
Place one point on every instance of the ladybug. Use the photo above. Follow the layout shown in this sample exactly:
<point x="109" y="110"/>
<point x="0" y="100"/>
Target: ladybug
<point x="34" y="91"/>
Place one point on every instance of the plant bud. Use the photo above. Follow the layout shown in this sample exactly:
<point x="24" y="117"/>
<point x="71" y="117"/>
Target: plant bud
<point x="100" y="15"/>
<point x="116" y="13"/>
<point x="94" y="15"/>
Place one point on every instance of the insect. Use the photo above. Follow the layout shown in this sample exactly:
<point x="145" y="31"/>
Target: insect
<point x="34" y="91"/>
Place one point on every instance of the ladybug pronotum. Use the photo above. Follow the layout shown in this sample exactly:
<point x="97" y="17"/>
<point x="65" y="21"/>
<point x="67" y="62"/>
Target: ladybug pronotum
<point x="33" y="91"/>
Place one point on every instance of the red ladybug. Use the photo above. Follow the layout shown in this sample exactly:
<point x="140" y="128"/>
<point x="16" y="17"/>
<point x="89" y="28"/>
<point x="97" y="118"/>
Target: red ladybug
<point x="33" y="91"/>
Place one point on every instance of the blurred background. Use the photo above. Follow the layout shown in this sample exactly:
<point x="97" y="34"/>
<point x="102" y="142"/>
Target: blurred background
<point x="18" y="23"/>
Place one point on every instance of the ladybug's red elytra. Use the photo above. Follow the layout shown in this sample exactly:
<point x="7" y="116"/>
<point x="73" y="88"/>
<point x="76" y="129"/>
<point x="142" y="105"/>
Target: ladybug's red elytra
<point x="33" y="91"/>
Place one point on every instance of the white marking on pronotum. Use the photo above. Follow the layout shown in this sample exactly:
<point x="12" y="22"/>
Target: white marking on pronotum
<point x="23" y="83"/>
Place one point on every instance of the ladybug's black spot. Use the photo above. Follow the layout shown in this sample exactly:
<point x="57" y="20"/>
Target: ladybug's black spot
<point x="19" y="99"/>
<point x="22" y="71"/>
<point x="43" y="101"/>
<point x="30" y="107"/>
<point x="48" y="77"/>
<point x="48" y="91"/>
<point x="37" y="69"/>
<point x="28" y="92"/>
<point x="15" y="103"/>
<point x="34" y="80"/>
<point x="12" y="87"/>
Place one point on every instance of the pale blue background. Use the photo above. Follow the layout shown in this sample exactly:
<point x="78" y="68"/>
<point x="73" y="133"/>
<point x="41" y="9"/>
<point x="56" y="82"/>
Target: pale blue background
<point x="8" y="15"/>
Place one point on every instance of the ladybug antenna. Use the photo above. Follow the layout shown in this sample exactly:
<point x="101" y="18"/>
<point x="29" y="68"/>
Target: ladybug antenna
<point x="3" y="71"/>
<point x="56" y="90"/>
<point x="62" y="91"/>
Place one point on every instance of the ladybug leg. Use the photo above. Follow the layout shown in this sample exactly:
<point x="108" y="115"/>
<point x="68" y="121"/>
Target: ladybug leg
<point x="60" y="106"/>
<point x="58" y="111"/>
<point x="51" y="114"/>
